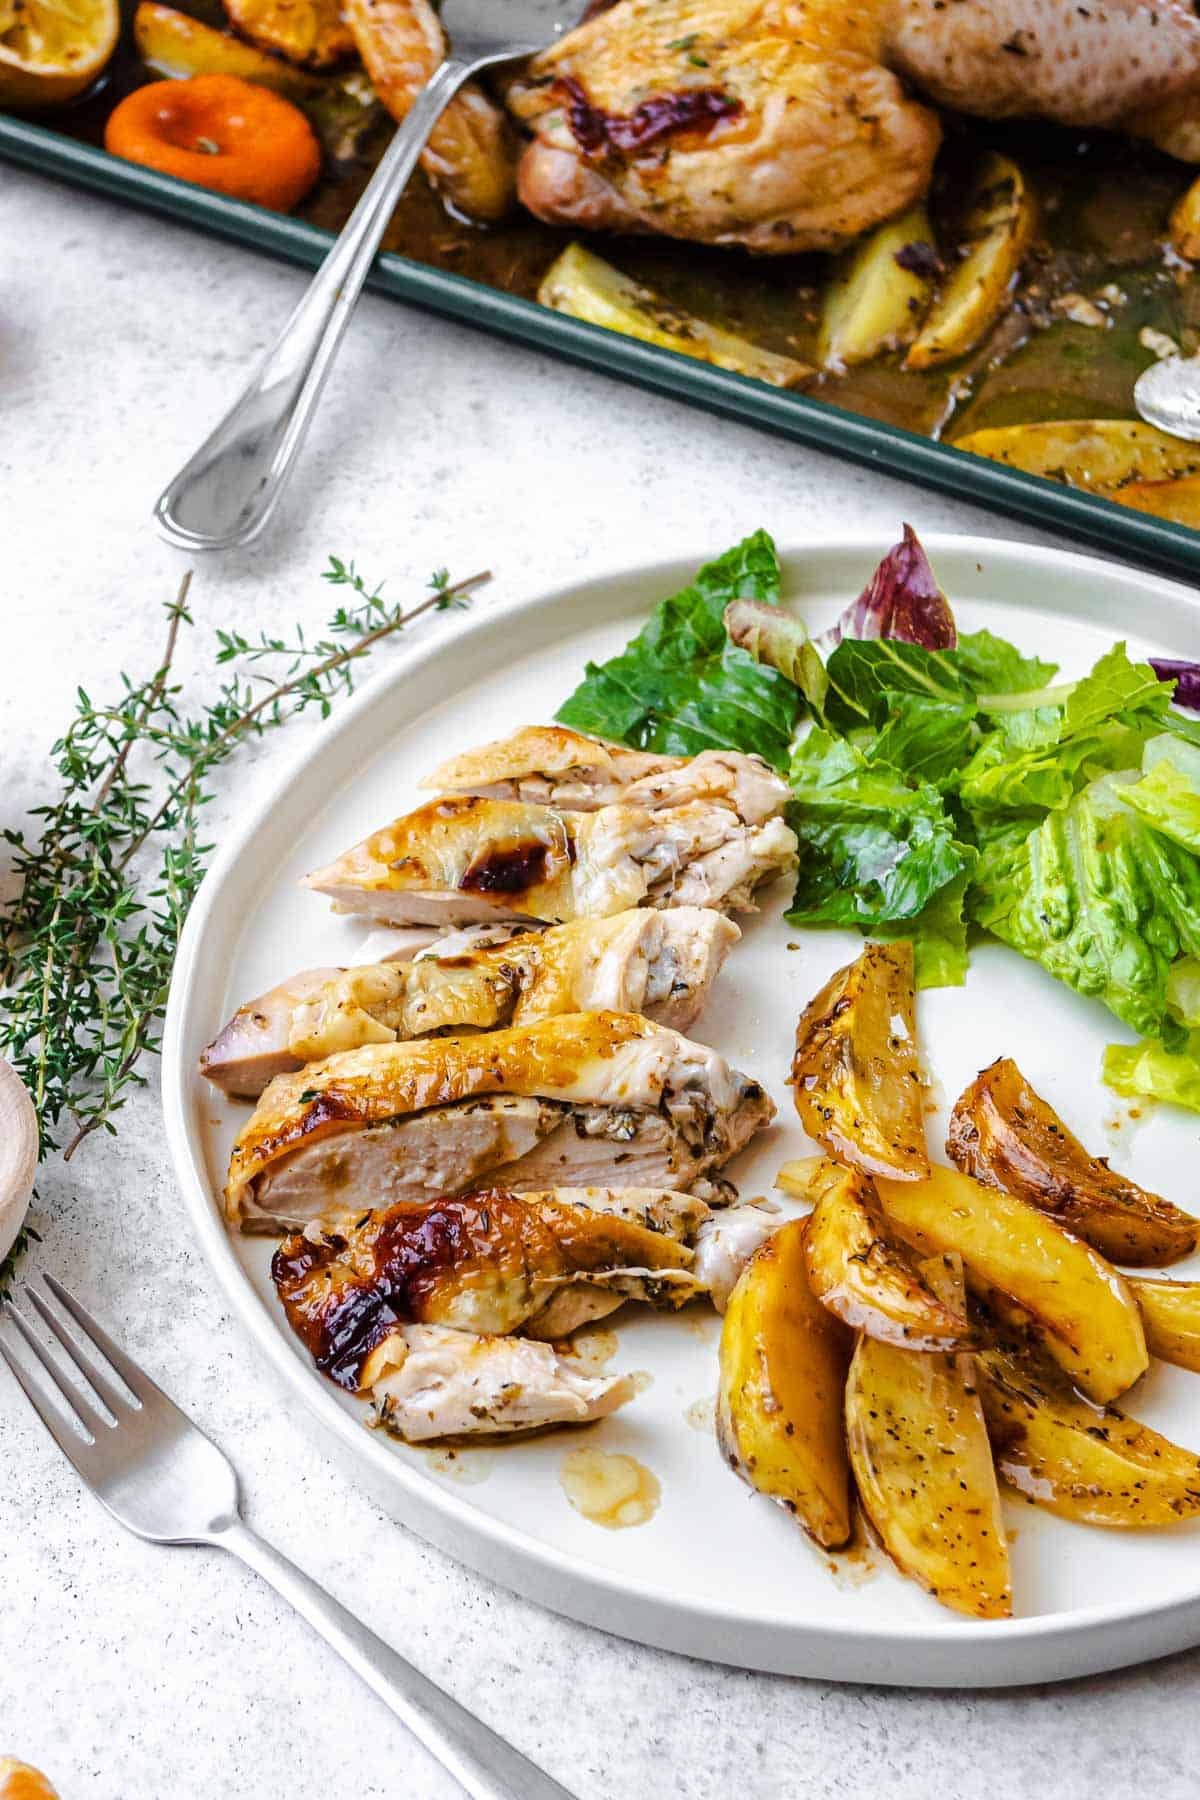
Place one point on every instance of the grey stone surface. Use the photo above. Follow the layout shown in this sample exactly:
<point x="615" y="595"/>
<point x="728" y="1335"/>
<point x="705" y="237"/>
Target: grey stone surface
<point x="130" y="1673"/>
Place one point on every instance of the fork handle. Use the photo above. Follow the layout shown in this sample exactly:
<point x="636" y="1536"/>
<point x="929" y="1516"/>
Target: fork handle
<point x="227" y="491"/>
<point x="485" y="1766"/>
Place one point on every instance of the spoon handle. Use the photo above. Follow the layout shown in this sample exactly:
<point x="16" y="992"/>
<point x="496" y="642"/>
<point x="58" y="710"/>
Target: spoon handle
<point x="225" y="494"/>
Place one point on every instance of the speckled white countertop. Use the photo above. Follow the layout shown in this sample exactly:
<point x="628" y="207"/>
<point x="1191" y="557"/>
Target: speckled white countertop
<point x="130" y="1673"/>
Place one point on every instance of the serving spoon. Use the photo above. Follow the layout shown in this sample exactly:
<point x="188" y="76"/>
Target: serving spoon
<point x="225" y="494"/>
<point x="1167" y="394"/>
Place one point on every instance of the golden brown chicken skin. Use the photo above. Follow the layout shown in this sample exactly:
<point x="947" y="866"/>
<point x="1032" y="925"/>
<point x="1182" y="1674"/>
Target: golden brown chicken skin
<point x="489" y="1262"/>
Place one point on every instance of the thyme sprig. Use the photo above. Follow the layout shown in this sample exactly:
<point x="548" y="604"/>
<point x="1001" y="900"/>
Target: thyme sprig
<point x="88" y="943"/>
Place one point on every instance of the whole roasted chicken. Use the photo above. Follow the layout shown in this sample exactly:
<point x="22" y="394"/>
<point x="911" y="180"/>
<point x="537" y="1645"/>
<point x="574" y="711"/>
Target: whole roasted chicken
<point x="785" y="125"/>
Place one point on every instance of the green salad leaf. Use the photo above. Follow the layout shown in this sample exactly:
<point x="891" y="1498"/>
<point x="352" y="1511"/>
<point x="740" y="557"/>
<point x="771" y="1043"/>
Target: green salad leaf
<point x="873" y="849"/>
<point x="680" y="686"/>
<point x="1168" y="795"/>
<point x="938" y="934"/>
<point x="1149" y="1070"/>
<point x="1103" y="901"/>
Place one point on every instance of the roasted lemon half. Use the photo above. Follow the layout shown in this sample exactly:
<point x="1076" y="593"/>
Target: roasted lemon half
<point x="50" y="50"/>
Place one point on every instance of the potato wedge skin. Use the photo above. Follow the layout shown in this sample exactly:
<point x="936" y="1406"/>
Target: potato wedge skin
<point x="865" y="1278"/>
<point x="1185" y="223"/>
<point x="999" y="230"/>
<point x="1177" y="500"/>
<point x="783" y="1364"/>
<point x="586" y="287"/>
<point x="873" y="303"/>
<point x="172" y="43"/>
<point x="1101" y="455"/>
<point x="856" y="1078"/>
<point x="923" y="1467"/>
<point x="1085" y="1309"/>
<point x="1090" y="1464"/>
<point x="1171" y="1319"/>
<point x="1004" y="1134"/>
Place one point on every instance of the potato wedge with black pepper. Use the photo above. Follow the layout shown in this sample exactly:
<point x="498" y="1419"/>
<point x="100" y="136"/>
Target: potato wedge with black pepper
<point x="1100" y="455"/>
<point x="1005" y="1135"/>
<point x="864" y="1276"/>
<point x="783" y="1364"/>
<point x="856" y="1077"/>
<point x="1088" y="1463"/>
<point x="1084" y="1308"/>
<point x="1171" y="1319"/>
<point x="997" y="232"/>
<point x="923" y="1468"/>
<point x="879" y="291"/>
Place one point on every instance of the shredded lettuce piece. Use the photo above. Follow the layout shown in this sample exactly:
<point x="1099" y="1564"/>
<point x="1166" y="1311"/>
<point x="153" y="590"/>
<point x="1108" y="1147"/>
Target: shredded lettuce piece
<point x="680" y="686"/>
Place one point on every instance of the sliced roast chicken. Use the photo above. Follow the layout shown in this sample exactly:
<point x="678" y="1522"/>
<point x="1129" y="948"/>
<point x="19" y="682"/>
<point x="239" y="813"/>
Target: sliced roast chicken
<point x="551" y="765"/>
<point x="579" y="1099"/>
<point x="415" y="1306"/>
<point x="660" y="964"/>
<point x="550" y="826"/>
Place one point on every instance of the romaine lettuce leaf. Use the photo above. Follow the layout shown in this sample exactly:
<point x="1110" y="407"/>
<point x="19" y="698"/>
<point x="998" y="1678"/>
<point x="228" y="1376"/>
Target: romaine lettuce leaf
<point x="1100" y="899"/>
<point x="872" y="848"/>
<point x="1168" y="795"/>
<point x="990" y="666"/>
<point x="680" y="686"/>
<point x="1149" y="1070"/>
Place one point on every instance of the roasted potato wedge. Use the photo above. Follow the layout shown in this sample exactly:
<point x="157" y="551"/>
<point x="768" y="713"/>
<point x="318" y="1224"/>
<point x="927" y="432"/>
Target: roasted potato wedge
<point x="864" y="1276"/>
<point x="1092" y="1464"/>
<point x="1084" y="1308"/>
<point x="308" y="32"/>
<point x="1102" y="455"/>
<point x="923" y="1467"/>
<point x="587" y="287"/>
<point x="176" y="45"/>
<point x="879" y="292"/>
<point x="1171" y="1319"/>
<point x="1185" y="224"/>
<point x="471" y="156"/>
<point x="1005" y="1135"/>
<point x="997" y="232"/>
<point x="1177" y="500"/>
<point x="783" y="1368"/>
<point x="855" y="1075"/>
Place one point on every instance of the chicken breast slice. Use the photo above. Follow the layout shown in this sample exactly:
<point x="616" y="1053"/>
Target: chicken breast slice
<point x="724" y="1244"/>
<point x="465" y="860"/>
<point x="449" y="1384"/>
<point x="551" y="765"/>
<point x="417" y="1120"/>
<point x="661" y="964"/>
<point x="491" y="1262"/>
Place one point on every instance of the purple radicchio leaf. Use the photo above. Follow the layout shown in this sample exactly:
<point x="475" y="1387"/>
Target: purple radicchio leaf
<point x="1185" y="675"/>
<point x="901" y="600"/>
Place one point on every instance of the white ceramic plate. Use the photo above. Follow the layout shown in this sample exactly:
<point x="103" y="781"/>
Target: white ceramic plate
<point x="718" y="1572"/>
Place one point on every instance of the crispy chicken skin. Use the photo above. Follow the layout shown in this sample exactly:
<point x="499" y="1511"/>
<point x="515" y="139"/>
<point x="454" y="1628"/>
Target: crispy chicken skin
<point x="465" y="860"/>
<point x="660" y="964"/>
<point x="785" y="125"/>
<point x="550" y="765"/>
<point x="434" y="1384"/>
<point x="761" y="123"/>
<point x="581" y="1099"/>
<point x="490" y="1262"/>
<point x="471" y="154"/>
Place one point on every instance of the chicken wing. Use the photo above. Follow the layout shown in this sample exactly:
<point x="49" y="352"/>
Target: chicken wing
<point x="465" y="860"/>
<point x="549" y="765"/>
<point x="490" y="1262"/>
<point x="581" y="1099"/>
<point x="470" y="157"/>
<point x="660" y="964"/>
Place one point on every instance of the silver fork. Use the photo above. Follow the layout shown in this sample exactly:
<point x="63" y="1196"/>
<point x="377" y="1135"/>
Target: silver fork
<point x="160" y="1477"/>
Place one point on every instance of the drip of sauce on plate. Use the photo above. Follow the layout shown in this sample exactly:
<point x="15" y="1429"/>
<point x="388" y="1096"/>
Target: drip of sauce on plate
<point x="701" y="1415"/>
<point x="466" y="1466"/>
<point x="610" y="1489"/>
<point x="640" y="1380"/>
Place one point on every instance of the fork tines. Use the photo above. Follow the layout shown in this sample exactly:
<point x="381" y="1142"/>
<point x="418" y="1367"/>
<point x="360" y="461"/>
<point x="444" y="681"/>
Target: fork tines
<point x="70" y="1364"/>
